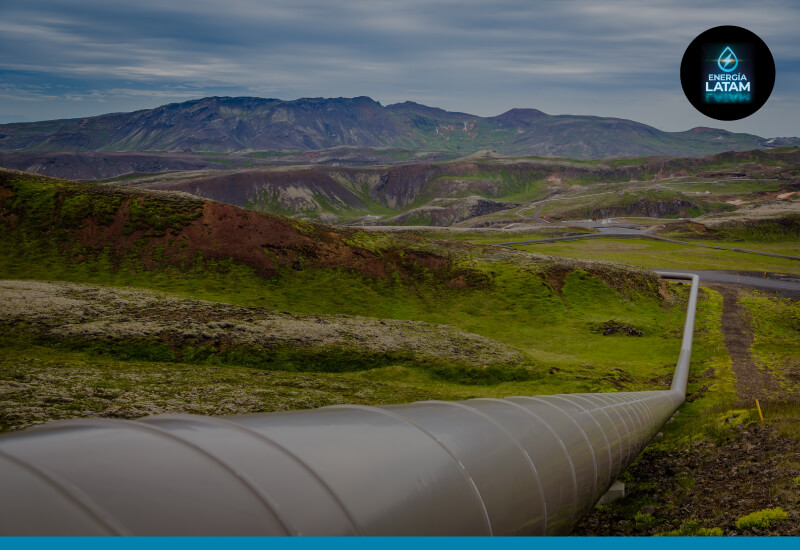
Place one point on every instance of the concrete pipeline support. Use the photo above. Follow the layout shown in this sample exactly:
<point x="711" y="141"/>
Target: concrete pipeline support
<point x="514" y="466"/>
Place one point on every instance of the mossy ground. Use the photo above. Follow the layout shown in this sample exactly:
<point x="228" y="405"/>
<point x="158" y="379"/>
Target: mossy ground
<point x="41" y="384"/>
<point x="554" y="343"/>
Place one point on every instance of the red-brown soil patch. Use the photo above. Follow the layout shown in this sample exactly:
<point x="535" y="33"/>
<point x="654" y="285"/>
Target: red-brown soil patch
<point x="166" y="229"/>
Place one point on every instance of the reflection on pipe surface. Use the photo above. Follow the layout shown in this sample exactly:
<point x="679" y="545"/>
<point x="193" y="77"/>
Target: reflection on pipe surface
<point x="514" y="466"/>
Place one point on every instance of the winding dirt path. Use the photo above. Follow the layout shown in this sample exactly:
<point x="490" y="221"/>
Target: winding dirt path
<point x="752" y="382"/>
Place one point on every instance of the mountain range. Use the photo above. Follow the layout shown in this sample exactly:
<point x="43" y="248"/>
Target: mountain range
<point x="246" y="124"/>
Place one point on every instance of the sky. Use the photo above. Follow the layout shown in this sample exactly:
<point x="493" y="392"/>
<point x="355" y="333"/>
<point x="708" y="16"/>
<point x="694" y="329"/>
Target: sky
<point x="615" y="58"/>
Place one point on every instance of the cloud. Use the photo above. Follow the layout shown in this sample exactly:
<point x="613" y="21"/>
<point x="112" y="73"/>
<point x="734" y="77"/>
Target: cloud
<point x="568" y="56"/>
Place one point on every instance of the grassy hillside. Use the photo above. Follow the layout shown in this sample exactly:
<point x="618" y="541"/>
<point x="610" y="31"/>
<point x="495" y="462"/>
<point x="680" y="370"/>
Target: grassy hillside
<point x="622" y="201"/>
<point x="784" y="227"/>
<point x="162" y="303"/>
<point x="546" y="314"/>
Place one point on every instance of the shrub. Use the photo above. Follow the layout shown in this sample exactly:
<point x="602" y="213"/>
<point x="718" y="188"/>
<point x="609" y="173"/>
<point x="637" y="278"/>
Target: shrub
<point x="644" y="520"/>
<point x="692" y="528"/>
<point x="763" y="519"/>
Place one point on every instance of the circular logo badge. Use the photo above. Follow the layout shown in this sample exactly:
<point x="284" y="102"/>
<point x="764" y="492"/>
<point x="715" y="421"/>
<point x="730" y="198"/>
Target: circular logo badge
<point x="727" y="73"/>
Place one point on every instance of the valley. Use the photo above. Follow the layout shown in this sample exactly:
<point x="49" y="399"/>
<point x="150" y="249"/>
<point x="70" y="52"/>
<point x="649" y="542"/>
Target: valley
<point x="484" y="191"/>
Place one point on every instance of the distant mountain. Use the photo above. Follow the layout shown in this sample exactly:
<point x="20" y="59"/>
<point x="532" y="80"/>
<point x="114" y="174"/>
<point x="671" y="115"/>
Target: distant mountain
<point x="226" y="124"/>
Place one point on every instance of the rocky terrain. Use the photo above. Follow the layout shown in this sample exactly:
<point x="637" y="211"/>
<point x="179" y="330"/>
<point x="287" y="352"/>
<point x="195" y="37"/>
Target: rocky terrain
<point x="703" y="488"/>
<point x="386" y="194"/>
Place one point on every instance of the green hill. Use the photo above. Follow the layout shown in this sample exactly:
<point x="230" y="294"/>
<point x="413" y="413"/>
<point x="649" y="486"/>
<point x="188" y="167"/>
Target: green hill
<point x="412" y="314"/>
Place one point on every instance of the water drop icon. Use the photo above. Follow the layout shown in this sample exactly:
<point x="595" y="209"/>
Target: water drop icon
<point x="727" y="60"/>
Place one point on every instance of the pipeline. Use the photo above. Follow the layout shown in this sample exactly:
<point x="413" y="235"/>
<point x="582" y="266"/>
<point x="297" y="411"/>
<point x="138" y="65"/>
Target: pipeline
<point x="514" y="466"/>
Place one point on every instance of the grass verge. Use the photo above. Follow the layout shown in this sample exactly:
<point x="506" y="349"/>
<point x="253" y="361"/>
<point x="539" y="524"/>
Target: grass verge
<point x="655" y="254"/>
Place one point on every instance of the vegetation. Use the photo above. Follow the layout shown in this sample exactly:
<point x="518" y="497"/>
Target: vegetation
<point x="655" y="255"/>
<point x="623" y="200"/>
<point x="544" y="326"/>
<point x="33" y="356"/>
<point x="693" y="528"/>
<point x="762" y="519"/>
<point x="744" y="233"/>
<point x="479" y="236"/>
<point x="46" y="383"/>
<point x="548" y="311"/>
<point x="584" y="188"/>
<point x="717" y="459"/>
<point x="564" y="338"/>
<point x="776" y="323"/>
<point x="723" y="189"/>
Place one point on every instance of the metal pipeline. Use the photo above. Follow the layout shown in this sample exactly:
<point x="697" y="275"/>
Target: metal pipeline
<point x="514" y="466"/>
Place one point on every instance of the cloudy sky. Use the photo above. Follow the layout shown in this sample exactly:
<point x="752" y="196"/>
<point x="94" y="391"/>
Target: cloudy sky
<point x="62" y="59"/>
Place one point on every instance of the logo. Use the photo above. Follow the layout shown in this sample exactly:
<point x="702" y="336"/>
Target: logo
<point x="722" y="84"/>
<point x="727" y="73"/>
<point x="727" y="60"/>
